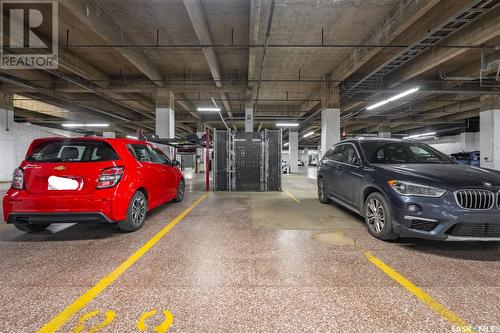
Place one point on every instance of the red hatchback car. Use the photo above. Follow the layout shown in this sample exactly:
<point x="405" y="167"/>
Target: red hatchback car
<point x="90" y="179"/>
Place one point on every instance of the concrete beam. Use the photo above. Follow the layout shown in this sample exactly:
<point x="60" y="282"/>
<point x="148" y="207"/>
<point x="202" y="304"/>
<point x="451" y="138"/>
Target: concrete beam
<point x="92" y="15"/>
<point x="471" y="70"/>
<point x="195" y="12"/>
<point x="253" y="35"/>
<point x="474" y="34"/>
<point x="186" y="105"/>
<point x="72" y="63"/>
<point x="451" y="113"/>
<point x="400" y="18"/>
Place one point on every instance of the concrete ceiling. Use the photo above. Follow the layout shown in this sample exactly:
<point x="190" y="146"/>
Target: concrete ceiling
<point x="115" y="54"/>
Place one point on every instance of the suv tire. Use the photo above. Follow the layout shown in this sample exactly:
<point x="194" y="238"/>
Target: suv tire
<point x="378" y="217"/>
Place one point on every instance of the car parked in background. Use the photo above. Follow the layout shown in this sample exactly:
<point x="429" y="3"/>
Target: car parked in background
<point x="409" y="189"/>
<point x="90" y="180"/>
<point x="468" y="158"/>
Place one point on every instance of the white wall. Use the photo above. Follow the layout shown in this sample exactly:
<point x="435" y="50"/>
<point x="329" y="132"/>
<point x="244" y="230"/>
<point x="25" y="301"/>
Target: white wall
<point x="15" y="142"/>
<point x="457" y="143"/>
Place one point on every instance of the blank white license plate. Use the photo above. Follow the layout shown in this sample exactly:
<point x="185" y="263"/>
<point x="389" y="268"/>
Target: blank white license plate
<point x="62" y="184"/>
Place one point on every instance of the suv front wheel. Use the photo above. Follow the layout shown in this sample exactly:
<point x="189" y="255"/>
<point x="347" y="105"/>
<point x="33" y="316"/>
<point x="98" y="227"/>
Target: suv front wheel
<point x="378" y="217"/>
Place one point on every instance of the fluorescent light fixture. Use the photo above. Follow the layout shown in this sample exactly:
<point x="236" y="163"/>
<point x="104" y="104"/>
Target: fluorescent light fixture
<point x="132" y="137"/>
<point x="308" y="134"/>
<point x="393" y="98"/>
<point x="209" y="109"/>
<point x="84" y="125"/>
<point x="286" y="144"/>
<point x="287" y="124"/>
<point x="419" y="135"/>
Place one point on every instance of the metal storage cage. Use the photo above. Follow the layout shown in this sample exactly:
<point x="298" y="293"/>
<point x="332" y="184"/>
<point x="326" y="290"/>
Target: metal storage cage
<point x="247" y="161"/>
<point x="221" y="165"/>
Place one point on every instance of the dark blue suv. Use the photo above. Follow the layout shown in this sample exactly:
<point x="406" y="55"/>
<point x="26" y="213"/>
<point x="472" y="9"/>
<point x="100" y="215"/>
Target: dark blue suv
<point x="409" y="189"/>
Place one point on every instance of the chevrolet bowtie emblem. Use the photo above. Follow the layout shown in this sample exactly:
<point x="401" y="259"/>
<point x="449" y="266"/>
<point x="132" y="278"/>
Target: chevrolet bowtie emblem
<point x="60" y="167"/>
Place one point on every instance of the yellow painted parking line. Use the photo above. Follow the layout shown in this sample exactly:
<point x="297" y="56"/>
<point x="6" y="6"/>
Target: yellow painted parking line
<point x="291" y="196"/>
<point x="419" y="293"/>
<point x="62" y="318"/>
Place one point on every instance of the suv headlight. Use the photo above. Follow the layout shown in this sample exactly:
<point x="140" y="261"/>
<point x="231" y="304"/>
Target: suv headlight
<point x="405" y="188"/>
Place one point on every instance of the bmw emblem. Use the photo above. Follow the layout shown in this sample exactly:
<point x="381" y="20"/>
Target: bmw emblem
<point x="487" y="184"/>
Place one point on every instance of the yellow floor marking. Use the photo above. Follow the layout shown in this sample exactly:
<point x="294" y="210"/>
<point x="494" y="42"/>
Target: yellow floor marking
<point x="291" y="196"/>
<point x="80" y="327"/>
<point x="60" y="319"/>
<point x="162" y="328"/>
<point x="419" y="293"/>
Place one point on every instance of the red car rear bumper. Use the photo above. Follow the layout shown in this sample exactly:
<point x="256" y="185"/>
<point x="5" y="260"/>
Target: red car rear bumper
<point x="102" y="206"/>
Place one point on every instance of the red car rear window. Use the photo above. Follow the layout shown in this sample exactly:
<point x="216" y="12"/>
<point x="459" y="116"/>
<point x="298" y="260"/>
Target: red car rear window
<point x="73" y="151"/>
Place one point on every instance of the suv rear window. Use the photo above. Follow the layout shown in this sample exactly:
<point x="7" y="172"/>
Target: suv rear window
<point x="73" y="151"/>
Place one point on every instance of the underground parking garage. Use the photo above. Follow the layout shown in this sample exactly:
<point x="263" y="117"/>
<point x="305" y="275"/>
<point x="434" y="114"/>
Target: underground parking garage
<point x="250" y="166"/>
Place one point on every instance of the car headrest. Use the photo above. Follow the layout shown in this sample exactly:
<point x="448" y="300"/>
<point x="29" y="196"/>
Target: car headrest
<point x="69" y="153"/>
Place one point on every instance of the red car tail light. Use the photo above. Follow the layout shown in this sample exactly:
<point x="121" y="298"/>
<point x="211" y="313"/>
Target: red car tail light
<point x="18" y="179"/>
<point x="110" y="177"/>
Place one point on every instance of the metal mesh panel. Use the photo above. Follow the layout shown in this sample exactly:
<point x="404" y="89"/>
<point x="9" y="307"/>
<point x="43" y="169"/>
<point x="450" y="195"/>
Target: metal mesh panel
<point x="248" y="150"/>
<point x="220" y="161"/>
<point x="247" y="161"/>
<point x="273" y="160"/>
<point x="187" y="161"/>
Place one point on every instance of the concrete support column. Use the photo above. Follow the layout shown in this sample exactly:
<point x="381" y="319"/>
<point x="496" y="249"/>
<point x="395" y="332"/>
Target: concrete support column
<point x="200" y="152"/>
<point x="108" y="134"/>
<point x="8" y="139"/>
<point x="165" y="115"/>
<point x="384" y="131"/>
<point x="293" y="147"/>
<point x="306" y="156"/>
<point x="468" y="141"/>
<point x="330" y="129"/>
<point x="330" y="116"/>
<point x="248" y="117"/>
<point x="490" y="131"/>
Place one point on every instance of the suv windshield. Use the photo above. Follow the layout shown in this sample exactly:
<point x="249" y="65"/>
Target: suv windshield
<point x="72" y="151"/>
<point x="383" y="152"/>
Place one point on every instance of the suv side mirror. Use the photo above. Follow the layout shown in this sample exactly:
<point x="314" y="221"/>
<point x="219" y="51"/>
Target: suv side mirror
<point x="176" y="163"/>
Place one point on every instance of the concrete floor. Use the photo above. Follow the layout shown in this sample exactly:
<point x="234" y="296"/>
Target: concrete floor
<point x="246" y="262"/>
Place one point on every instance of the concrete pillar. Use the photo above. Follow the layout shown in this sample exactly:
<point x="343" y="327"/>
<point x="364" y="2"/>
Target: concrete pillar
<point x="384" y="131"/>
<point x="330" y="116"/>
<point x="330" y="129"/>
<point x="490" y="131"/>
<point x="108" y="134"/>
<point x="468" y="141"/>
<point x="293" y="147"/>
<point x="165" y="115"/>
<point x="200" y="152"/>
<point x="248" y="117"/>
<point x="8" y="139"/>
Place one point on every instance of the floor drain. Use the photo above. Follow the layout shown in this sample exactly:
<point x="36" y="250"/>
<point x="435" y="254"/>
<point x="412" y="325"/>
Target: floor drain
<point x="335" y="238"/>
